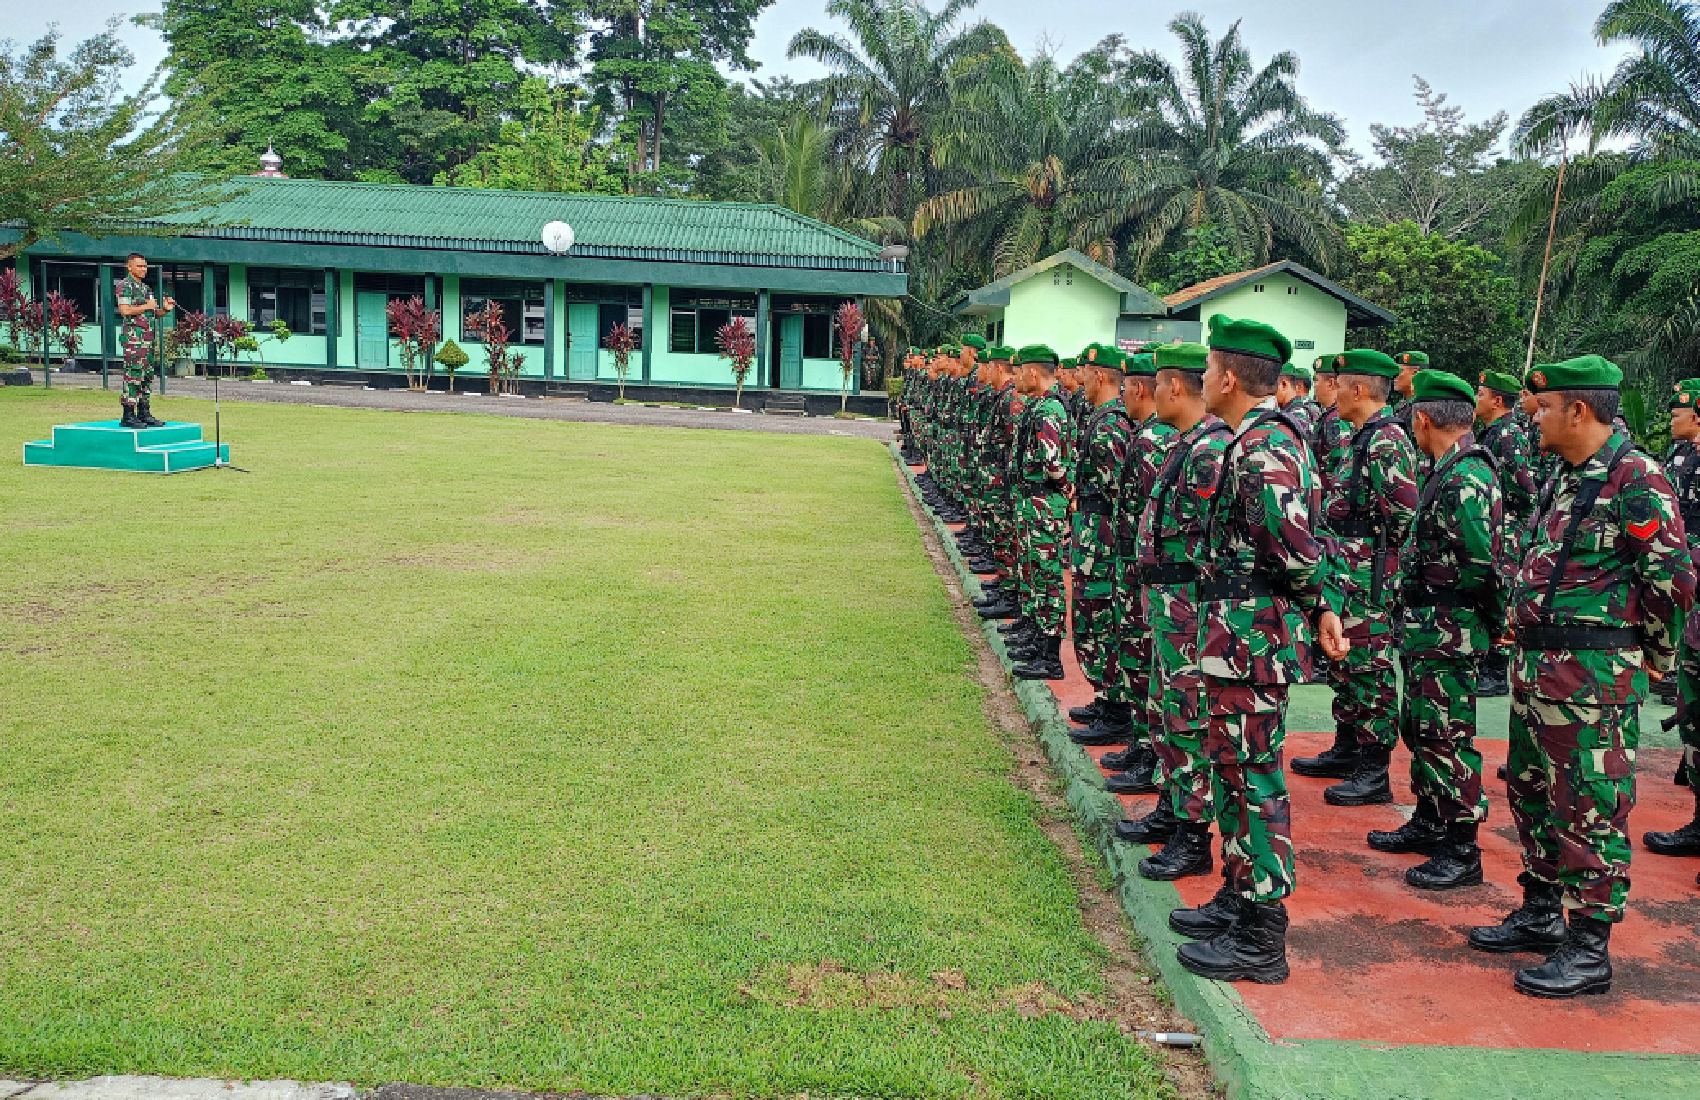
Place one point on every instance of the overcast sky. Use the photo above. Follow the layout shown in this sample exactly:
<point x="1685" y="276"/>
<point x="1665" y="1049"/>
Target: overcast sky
<point x="1357" y="56"/>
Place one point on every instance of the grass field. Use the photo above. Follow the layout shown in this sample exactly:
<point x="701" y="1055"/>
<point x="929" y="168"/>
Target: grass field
<point x="459" y="749"/>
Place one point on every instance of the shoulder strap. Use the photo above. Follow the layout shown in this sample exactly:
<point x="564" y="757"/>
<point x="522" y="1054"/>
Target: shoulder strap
<point x="1586" y="494"/>
<point x="1275" y="415"/>
<point x="1170" y="475"/>
<point x="1437" y="480"/>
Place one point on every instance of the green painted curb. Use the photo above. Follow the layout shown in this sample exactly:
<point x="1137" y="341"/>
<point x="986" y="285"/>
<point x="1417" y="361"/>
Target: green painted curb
<point x="1249" y="1063"/>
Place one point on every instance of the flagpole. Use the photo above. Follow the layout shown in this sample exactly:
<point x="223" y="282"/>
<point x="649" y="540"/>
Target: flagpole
<point x="1546" y="260"/>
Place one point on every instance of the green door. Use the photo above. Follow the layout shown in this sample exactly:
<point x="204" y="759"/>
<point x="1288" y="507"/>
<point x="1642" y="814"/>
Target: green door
<point x="791" y="352"/>
<point x="371" y="330"/>
<point x="581" y="342"/>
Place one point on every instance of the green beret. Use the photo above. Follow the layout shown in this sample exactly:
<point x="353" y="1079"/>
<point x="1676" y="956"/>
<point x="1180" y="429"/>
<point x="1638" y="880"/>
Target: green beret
<point x="1065" y="364"/>
<point x="1686" y="395"/>
<point x="1440" y="385"/>
<point x="1252" y="338"/>
<point x="1089" y="354"/>
<point x="1036" y="353"/>
<point x="1304" y="374"/>
<point x="1187" y="357"/>
<point x="1366" y="361"/>
<point x="1000" y="352"/>
<point x="1501" y="382"/>
<point x="978" y="343"/>
<point x="1589" y="372"/>
<point x="1142" y="365"/>
<point x="952" y="350"/>
<point x="1109" y="358"/>
<point x="914" y="350"/>
<point x="1418" y="359"/>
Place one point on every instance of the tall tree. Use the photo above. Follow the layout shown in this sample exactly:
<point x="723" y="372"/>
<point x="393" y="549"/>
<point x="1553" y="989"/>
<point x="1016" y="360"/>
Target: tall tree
<point x="654" y="58"/>
<point x="76" y="155"/>
<point x="445" y="74"/>
<point x="1230" y="144"/>
<point x="1444" y="175"/>
<point x="890" y="86"/>
<point x="551" y="146"/>
<point x="265" y="73"/>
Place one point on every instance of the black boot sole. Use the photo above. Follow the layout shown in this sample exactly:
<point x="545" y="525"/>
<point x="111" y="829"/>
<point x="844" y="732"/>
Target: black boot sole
<point x="1603" y="986"/>
<point x="1262" y="976"/>
<point x="1201" y="932"/>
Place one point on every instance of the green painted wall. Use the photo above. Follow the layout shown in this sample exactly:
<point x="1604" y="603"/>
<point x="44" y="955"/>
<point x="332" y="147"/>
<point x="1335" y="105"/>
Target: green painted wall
<point x="1299" y="310"/>
<point x="1063" y="307"/>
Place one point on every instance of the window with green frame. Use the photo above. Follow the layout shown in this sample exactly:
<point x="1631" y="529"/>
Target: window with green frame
<point x="695" y="318"/>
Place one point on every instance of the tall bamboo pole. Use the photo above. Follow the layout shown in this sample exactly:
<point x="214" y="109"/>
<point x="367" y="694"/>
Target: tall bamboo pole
<point x="1546" y="260"/>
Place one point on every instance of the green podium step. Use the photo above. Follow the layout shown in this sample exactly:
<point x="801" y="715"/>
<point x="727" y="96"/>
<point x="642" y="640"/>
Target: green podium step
<point x="105" y="445"/>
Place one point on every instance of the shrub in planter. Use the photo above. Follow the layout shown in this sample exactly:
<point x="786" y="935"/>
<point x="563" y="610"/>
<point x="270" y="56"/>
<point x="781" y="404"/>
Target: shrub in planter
<point x="451" y="357"/>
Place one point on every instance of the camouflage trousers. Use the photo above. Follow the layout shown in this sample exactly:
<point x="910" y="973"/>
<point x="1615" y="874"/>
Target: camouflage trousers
<point x="1096" y="568"/>
<point x="1128" y="673"/>
<point x="138" y="371"/>
<point x="1248" y="726"/>
<point x="1571" y="786"/>
<point x="1688" y="710"/>
<point x="1438" y="723"/>
<point x="1044" y="531"/>
<point x="1177" y="692"/>
<point x="1366" y="684"/>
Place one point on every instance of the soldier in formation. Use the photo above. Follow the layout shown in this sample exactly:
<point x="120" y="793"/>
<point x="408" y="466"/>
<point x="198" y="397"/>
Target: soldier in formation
<point x="1229" y="522"/>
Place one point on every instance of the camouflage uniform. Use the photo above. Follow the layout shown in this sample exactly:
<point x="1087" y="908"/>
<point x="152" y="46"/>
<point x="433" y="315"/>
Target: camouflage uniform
<point x="137" y="334"/>
<point x="1305" y="414"/>
<point x="1595" y="598"/>
<point x="1508" y="443"/>
<point x="1046" y="465"/>
<point x="1682" y="466"/>
<point x="1130" y="675"/>
<point x="1171" y="526"/>
<point x="1103" y="451"/>
<point x="1454" y="608"/>
<point x="994" y="457"/>
<point x="1264" y="580"/>
<point x="1369" y="514"/>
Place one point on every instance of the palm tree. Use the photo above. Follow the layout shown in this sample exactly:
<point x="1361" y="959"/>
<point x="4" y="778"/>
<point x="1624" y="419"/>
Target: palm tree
<point x="1228" y="145"/>
<point x="1032" y="189"/>
<point x="797" y="165"/>
<point x="890" y="85"/>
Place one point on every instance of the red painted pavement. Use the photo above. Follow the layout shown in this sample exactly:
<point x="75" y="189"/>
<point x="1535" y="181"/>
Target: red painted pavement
<point x="1374" y="960"/>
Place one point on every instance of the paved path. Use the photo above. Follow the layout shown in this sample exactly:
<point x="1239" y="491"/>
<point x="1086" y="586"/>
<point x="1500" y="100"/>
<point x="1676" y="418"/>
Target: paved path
<point x="537" y="408"/>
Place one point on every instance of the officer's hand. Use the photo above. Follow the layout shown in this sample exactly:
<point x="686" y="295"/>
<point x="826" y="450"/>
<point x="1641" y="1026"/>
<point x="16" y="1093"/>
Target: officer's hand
<point x="1331" y="633"/>
<point x="1653" y="674"/>
<point x="170" y="304"/>
<point x="150" y="305"/>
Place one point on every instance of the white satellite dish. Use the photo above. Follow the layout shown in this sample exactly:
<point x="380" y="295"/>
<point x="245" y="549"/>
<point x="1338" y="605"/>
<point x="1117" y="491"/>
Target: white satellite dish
<point x="558" y="237"/>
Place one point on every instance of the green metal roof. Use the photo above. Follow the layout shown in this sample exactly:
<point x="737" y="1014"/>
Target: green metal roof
<point x="470" y="219"/>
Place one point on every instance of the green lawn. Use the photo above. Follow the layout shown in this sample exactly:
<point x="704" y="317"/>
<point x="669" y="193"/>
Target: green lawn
<point x="461" y="749"/>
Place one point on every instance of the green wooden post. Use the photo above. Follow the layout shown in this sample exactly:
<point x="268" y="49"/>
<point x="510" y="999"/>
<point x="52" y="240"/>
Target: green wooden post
<point x="106" y="313"/>
<point x="209" y="305"/>
<point x="430" y="303"/>
<point x="762" y="327"/>
<point x="548" y="331"/>
<point x="331" y="317"/>
<point x="159" y="327"/>
<point x="38" y="295"/>
<point x="648" y="325"/>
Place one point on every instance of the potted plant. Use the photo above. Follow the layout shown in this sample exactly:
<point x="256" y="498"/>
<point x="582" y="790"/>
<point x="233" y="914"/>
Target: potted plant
<point x="451" y="358"/>
<point x="737" y="343"/>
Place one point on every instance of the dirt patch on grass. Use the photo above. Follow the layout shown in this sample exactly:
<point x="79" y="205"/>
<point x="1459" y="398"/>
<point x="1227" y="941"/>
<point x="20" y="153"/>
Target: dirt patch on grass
<point x="1134" y="997"/>
<point x="828" y="985"/>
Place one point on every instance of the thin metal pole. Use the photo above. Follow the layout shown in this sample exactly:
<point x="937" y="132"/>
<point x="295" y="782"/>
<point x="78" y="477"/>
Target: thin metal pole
<point x="1546" y="260"/>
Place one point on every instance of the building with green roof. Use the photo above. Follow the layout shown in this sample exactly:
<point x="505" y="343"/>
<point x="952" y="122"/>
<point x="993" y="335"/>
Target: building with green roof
<point x="326" y="258"/>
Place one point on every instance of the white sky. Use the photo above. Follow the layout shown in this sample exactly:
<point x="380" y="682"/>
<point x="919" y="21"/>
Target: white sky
<point x="1358" y="56"/>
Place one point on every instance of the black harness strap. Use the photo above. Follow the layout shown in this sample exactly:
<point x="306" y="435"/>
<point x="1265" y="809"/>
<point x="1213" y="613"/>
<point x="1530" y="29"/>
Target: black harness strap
<point x="1586" y="495"/>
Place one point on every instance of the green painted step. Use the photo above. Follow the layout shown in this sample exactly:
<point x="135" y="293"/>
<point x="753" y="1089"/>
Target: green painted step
<point x="106" y="445"/>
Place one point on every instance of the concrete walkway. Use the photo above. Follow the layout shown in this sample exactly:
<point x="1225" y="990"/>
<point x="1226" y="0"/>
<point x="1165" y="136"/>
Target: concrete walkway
<point x="163" y="1088"/>
<point x="537" y="408"/>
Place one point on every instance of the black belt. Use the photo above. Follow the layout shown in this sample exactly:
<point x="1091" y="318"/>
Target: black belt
<point x="1356" y="528"/>
<point x="1098" y="506"/>
<point x="1236" y="588"/>
<point x="1169" y="572"/>
<point x="1545" y="636"/>
<point x="1423" y="596"/>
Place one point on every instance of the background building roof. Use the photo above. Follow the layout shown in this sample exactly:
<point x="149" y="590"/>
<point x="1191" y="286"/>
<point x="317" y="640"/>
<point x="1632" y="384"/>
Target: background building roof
<point x="995" y="295"/>
<point x="1359" y="311"/>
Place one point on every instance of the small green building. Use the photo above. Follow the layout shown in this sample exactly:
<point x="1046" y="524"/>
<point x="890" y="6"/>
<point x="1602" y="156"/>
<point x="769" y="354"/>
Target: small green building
<point x="1068" y="301"/>
<point x="327" y="257"/>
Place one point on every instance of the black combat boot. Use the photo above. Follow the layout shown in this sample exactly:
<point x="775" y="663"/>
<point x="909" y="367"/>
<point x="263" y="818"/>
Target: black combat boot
<point x="1017" y="630"/>
<point x="129" y="420"/>
<point x="1456" y="863"/>
<point x="1112" y="726"/>
<point x="1678" y="842"/>
<point x="1582" y="964"/>
<point x="982" y="565"/>
<point x="1338" y="761"/>
<point x="1138" y="773"/>
<point x="991" y="592"/>
<point x="1538" y="925"/>
<point x="1423" y="833"/>
<point x="1047" y="664"/>
<point x="1369" y="785"/>
<point x="998" y="610"/>
<point x="1214" y="917"/>
<point x="1492" y="677"/>
<point x="1154" y="828"/>
<point x="1187" y="853"/>
<point x="144" y="413"/>
<point x="1086" y="715"/>
<point x="1253" y="950"/>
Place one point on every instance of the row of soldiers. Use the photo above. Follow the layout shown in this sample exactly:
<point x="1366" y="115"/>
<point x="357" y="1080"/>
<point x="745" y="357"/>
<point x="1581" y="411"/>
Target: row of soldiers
<point x="1233" y="521"/>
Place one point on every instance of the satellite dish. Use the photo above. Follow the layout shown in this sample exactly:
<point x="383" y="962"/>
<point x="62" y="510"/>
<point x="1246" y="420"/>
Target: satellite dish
<point x="558" y="237"/>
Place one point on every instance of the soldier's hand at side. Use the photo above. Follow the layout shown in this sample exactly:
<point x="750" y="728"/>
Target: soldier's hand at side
<point x="1331" y="634"/>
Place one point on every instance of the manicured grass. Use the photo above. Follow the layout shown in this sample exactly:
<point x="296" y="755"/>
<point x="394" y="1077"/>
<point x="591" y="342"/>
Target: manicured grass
<point x="471" y="750"/>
